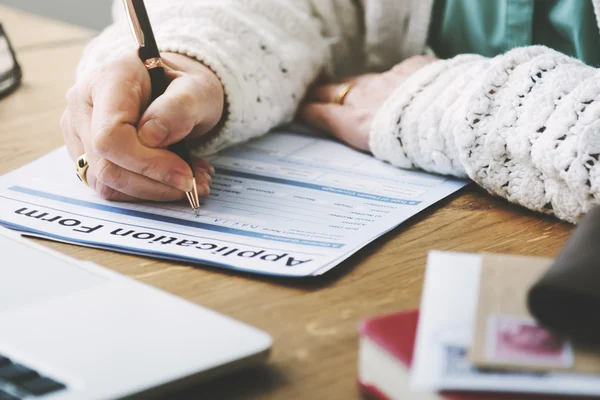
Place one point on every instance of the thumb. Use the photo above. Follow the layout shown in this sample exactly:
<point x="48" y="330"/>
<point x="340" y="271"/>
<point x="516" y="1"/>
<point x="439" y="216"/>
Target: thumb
<point x="186" y="106"/>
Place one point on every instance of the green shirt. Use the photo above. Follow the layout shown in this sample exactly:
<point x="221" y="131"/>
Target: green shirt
<point x="492" y="27"/>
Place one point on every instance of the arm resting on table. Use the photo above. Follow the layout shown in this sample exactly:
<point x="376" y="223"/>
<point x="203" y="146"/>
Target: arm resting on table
<point x="524" y="125"/>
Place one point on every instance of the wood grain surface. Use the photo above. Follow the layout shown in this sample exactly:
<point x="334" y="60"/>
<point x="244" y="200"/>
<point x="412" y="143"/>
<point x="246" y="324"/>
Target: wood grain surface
<point x="313" y="321"/>
<point x="19" y="26"/>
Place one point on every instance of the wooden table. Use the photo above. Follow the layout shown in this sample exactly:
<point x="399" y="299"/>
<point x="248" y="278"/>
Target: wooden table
<point x="313" y="322"/>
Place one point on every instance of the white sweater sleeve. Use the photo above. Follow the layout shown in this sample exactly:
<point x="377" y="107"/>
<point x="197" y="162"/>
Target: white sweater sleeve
<point x="524" y="126"/>
<point x="266" y="53"/>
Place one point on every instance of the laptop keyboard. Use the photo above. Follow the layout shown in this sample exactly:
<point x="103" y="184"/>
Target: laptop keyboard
<point x="19" y="382"/>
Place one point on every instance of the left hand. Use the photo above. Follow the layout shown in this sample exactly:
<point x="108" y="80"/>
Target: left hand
<point x="351" y="121"/>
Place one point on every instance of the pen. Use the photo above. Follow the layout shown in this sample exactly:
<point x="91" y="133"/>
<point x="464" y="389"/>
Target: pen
<point x="150" y="56"/>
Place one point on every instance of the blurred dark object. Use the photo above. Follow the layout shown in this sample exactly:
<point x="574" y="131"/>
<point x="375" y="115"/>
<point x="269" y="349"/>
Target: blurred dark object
<point x="566" y="298"/>
<point x="10" y="70"/>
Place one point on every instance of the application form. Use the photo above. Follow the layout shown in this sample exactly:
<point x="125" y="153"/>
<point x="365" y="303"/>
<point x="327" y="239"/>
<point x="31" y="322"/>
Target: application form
<point x="288" y="203"/>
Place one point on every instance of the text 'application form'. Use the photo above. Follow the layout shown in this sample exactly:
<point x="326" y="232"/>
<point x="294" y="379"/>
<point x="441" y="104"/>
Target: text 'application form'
<point x="287" y="203"/>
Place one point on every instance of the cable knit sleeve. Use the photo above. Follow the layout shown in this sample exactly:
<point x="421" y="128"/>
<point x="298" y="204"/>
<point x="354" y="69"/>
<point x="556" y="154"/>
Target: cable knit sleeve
<point x="524" y="125"/>
<point x="266" y="53"/>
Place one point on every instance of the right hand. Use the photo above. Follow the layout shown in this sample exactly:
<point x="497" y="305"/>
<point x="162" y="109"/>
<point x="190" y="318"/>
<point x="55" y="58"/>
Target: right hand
<point x="108" y="117"/>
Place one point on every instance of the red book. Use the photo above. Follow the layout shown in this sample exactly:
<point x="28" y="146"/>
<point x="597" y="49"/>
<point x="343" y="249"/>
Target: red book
<point x="386" y="353"/>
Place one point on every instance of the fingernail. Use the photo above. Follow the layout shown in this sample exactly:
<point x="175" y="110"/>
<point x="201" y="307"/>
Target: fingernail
<point x="208" y="178"/>
<point x="153" y="133"/>
<point x="211" y="170"/>
<point x="180" y="181"/>
<point x="206" y="190"/>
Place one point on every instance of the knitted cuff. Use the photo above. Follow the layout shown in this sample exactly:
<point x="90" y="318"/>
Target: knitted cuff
<point x="402" y="136"/>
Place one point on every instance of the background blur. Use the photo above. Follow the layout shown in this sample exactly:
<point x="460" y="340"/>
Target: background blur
<point x="93" y="14"/>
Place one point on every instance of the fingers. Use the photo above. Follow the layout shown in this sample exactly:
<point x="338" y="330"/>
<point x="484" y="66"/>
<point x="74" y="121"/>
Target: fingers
<point x="346" y="124"/>
<point x="106" y="192"/>
<point x="187" y="105"/>
<point x="204" y="173"/>
<point x="70" y="137"/>
<point x="112" y="182"/>
<point x="75" y="121"/>
<point x="102" y="120"/>
<point x="324" y="93"/>
<point x="111" y="179"/>
<point x="114" y="126"/>
<point x="318" y="116"/>
<point x="206" y="166"/>
<point x="330" y="93"/>
<point x="115" y="183"/>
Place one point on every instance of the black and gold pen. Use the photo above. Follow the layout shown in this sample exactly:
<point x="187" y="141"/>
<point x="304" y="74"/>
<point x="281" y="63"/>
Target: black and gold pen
<point x="150" y="56"/>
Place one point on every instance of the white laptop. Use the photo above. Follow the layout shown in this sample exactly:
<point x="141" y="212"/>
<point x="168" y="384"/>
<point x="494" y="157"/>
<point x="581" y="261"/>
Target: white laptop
<point x="70" y="330"/>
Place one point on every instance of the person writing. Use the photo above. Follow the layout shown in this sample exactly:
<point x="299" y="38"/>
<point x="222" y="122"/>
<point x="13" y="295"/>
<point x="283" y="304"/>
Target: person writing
<point x="510" y="99"/>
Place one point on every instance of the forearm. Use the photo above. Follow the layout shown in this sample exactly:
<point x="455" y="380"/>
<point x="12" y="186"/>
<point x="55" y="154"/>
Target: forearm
<point x="521" y="125"/>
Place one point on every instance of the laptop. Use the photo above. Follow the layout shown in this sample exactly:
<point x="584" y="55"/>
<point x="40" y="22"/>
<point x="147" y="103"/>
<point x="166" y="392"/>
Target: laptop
<point x="73" y="330"/>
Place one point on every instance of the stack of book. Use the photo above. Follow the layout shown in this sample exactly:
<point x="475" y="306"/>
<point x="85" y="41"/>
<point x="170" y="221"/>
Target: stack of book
<point x="473" y="338"/>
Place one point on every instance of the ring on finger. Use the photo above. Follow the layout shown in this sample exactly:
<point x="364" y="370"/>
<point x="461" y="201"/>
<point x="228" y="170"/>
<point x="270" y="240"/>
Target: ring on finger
<point x="343" y="93"/>
<point x="81" y="167"/>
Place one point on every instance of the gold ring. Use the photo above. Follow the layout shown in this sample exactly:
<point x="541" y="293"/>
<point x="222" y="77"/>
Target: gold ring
<point x="341" y="96"/>
<point x="82" y="166"/>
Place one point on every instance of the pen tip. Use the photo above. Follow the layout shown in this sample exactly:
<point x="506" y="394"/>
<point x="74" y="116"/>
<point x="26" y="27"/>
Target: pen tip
<point x="197" y="212"/>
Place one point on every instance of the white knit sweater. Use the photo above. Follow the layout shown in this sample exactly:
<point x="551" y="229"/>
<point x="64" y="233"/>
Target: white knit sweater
<point x="524" y="125"/>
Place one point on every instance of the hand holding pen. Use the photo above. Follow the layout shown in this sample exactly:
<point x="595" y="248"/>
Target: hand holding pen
<point x="125" y="134"/>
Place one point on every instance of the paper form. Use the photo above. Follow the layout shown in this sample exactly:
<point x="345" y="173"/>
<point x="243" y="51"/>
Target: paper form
<point x="288" y="203"/>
